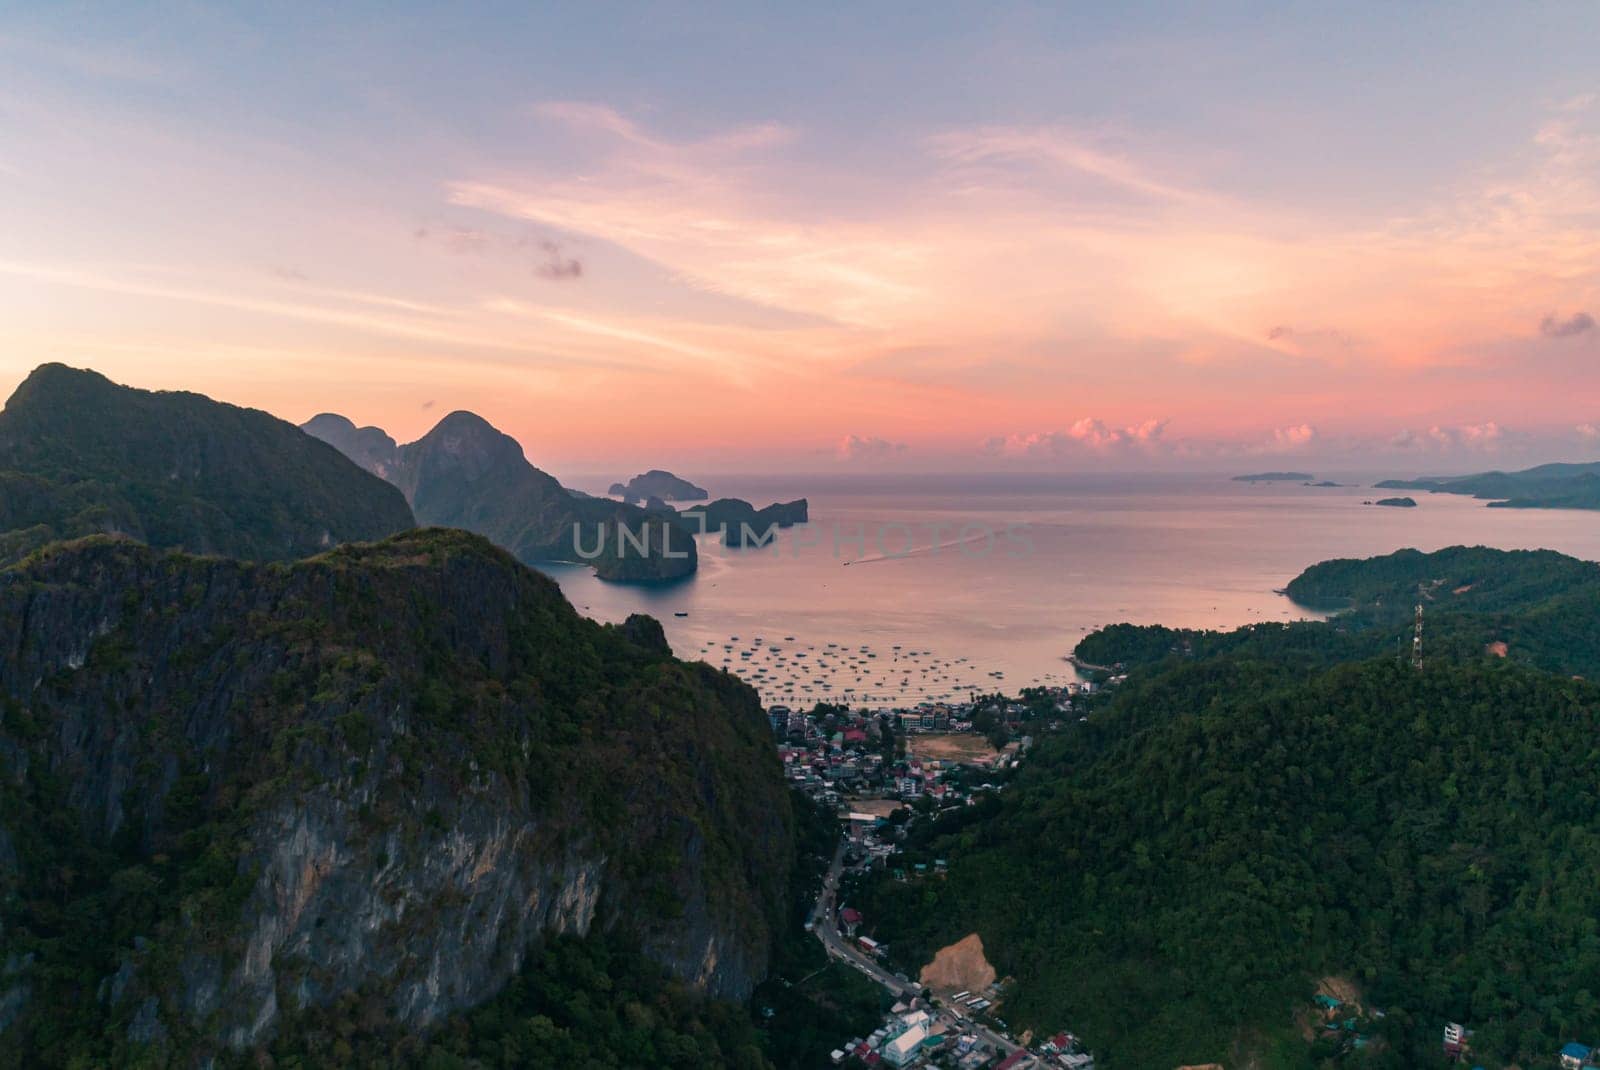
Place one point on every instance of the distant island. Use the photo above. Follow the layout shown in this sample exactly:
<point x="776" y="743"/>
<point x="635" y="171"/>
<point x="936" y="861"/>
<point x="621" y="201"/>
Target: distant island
<point x="1324" y="483"/>
<point x="1548" y="486"/>
<point x="1275" y="477"/>
<point x="737" y="519"/>
<point x="1398" y="503"/>
<point x="658" y="484"/>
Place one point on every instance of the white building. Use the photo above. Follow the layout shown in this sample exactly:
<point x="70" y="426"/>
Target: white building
<point x="904" y="1048"/>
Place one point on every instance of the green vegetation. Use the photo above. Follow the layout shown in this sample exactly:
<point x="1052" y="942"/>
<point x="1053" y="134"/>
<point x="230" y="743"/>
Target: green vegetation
<point x="169" y="718"/>
<point x="1473" y="578"/>
<point x="1226" y="833"/>
<point x="1255" y="811"/>
<point x="80" y="455"/>
<point x="811" y="1004"/>
<point x="1540" y="604"/>
<point x="590" y="1003"/>
<point x="599" y="1002"/>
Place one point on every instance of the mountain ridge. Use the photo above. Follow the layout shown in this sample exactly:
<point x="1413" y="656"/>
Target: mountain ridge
<point x="467" y="473"/>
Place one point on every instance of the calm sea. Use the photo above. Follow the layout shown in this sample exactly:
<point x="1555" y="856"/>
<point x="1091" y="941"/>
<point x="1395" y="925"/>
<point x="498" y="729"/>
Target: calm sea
<point x="919" y="586"/>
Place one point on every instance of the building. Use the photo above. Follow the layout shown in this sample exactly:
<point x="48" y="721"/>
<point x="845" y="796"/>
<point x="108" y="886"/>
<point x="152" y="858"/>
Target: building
<point x="1575" y="1056"/>
<point x="905" y="1048"/>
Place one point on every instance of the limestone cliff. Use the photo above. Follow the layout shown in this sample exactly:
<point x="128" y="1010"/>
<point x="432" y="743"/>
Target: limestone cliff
<point x="231" y="791"/>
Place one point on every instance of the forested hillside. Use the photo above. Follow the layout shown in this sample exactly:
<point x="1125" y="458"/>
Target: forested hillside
<point x="80" y="455"/>
<point x="360" y="789"/>
<point x="1536" y="607"/>
<point x="1173" y="880"/>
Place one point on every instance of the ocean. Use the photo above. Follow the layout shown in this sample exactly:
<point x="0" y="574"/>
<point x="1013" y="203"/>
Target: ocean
<point x="908" y="588"/>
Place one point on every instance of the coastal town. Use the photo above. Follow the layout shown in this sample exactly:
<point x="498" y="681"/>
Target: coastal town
<point x="879" y="771"/>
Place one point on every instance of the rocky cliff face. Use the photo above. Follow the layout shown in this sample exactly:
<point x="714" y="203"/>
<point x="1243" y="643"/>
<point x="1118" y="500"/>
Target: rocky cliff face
<point x="230" y="792"/>
<point x="466" y="473"/>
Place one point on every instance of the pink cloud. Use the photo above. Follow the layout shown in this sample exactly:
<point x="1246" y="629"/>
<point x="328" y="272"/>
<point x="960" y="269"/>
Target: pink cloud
<point x="867" y="448"/>
<point x="1088" y="434"/>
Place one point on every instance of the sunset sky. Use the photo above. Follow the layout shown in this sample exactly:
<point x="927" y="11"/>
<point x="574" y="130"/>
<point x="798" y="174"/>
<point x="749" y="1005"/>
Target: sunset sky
<point x="829" y="237"/>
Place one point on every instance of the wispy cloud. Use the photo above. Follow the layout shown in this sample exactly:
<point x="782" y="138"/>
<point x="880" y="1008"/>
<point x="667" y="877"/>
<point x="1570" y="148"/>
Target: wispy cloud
<point x="1063" y="151"/>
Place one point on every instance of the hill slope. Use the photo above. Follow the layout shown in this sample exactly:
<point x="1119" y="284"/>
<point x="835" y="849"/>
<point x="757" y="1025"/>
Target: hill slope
<point x="1541" y="605"/>
<point x="1173" y="879"/>
<point x="80" y="455"/>
<point x="1547" y="486"/>
<point x="465" y="473"/>
<point x="230" y="793"/>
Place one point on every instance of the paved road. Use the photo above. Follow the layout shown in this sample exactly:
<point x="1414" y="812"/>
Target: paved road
<point x="825" y="925"/>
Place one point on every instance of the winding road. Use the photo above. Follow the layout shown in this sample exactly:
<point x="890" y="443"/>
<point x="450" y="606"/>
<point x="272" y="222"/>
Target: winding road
<point x="824" y="920"/>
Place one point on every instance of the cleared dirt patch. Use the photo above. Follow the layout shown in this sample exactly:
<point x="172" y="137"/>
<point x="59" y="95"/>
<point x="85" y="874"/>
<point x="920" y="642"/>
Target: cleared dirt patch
<point x="1340" y="988"/>
<point x="875" y="807"/>
<point x="951" y="747"/>
<point x="961" y="967"/>
<point x="1497" y="649"/>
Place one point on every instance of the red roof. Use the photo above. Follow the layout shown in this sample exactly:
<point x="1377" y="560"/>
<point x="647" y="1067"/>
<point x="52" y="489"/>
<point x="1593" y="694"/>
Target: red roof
<point x="850" y="915"/>
<point x="1013" y="1059"/>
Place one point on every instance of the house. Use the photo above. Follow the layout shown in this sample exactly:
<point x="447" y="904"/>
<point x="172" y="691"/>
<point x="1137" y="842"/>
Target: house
<point x="850" y="918"/>
<point x="1574" y="1056"/>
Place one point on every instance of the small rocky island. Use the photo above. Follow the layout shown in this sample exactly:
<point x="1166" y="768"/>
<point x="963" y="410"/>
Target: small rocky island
<point x="658" y="484"/>
<point x="1395" y="503"/>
